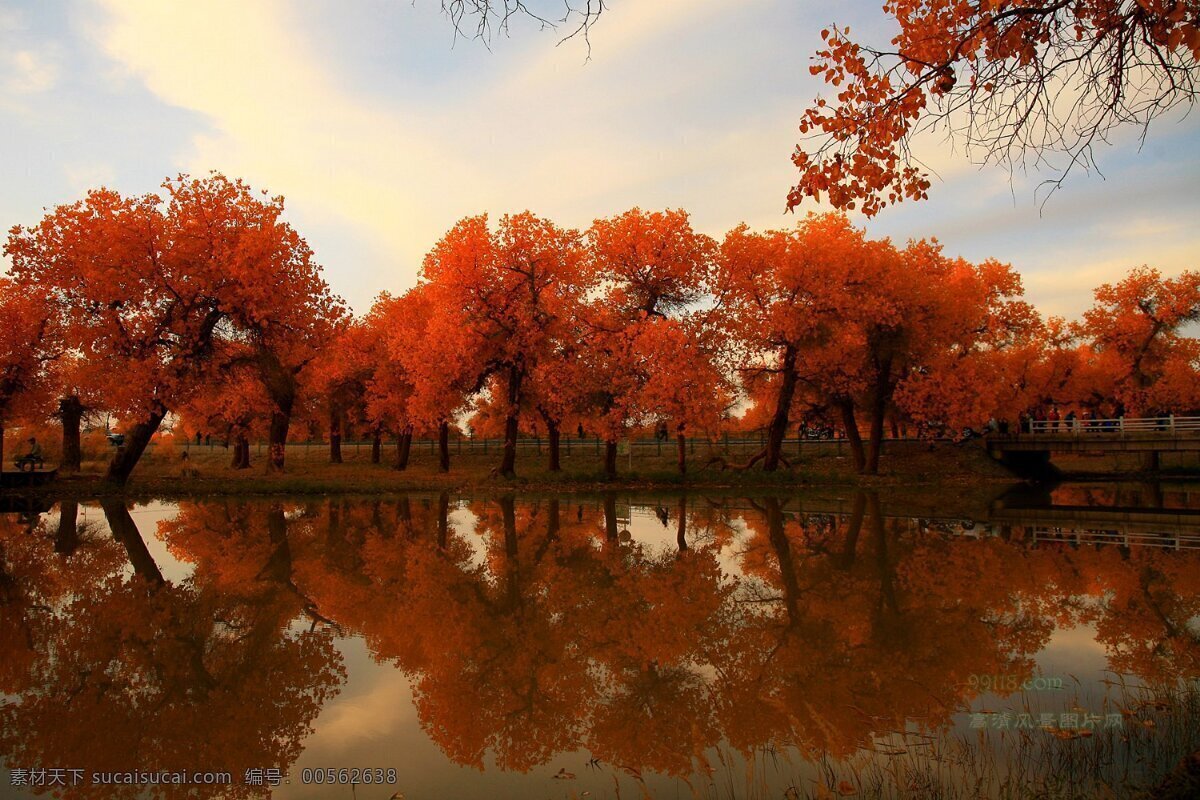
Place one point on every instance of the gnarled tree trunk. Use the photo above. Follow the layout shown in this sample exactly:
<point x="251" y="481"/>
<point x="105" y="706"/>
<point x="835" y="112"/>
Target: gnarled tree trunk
<point x="783" y="406"/>
<point x="508" y="464"/>
<point x="70" y="411"/>
<point x="610" y="459"/>
<point x="555" y="436"/>
<point x="444" y="447"/>
<point x="277" y="439"/>
<point x="282" y="387"/>
<point x="376" y="448"/>
<point x="879" y="403"/>
<point x="243" y="451"/>
<point x="136" y="439"/>
<point x="403" y="448"/>
<point x="681" y="450"/>
<point x="850" y="423"/>
<point x="335" y="433"/>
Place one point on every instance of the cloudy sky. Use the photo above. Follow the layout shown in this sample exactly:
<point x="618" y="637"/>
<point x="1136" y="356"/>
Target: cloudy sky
<point x="381" y="130"/>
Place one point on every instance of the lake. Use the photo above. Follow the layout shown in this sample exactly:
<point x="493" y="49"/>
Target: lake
<point x="809" y="644"/>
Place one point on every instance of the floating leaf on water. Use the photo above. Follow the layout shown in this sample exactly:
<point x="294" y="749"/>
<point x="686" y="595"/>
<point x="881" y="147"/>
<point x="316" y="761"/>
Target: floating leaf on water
<point x="846" y="788"/>
<point x="563" y="775"/>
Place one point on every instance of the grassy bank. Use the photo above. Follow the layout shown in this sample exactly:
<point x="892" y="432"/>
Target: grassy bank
<point x="207" y="471"/>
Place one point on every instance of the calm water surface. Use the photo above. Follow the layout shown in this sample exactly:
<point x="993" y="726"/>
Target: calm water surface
<point x="834" y="644"/>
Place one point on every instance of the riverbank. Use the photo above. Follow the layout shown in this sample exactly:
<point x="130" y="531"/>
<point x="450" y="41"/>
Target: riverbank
<point x="207" y="472"/>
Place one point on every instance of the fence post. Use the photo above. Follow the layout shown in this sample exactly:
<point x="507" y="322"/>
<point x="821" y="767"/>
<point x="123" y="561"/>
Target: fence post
<point x="1172" y="428"/>
<point x="1121" y="424"/>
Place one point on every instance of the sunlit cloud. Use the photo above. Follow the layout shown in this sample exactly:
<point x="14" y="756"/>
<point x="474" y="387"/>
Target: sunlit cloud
<point x="382" y="131"/>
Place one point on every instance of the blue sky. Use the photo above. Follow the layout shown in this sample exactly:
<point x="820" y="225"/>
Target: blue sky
<point x="381" y="130"/>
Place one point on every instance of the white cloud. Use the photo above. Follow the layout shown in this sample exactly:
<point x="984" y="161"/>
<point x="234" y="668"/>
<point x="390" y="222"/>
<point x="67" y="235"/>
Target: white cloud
<point x="681" y="105"/>
<point x="29" y="71"/>
<point x="549" y="132"/>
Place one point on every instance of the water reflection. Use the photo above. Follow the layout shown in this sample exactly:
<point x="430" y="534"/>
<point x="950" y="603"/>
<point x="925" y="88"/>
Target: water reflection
<point x="646" y="633"/>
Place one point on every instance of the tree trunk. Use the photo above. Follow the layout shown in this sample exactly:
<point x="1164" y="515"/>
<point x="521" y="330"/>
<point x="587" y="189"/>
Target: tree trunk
<point x="610" y="459"/>
<point x="235" y="462"/>
<point x="125" y="531"/>
<point x="335" y="434"/>
<point x="681" y="530"/>
<point x="244" y="451"/>
<point x="783" y="407"/>
<point x="851" y="425"/>
<point x="136" y="439"/>
<point x="610" y="516"/>
<point x="278" y="568"/>
<point x="70" y="410"/>
<point x="850" y="545"/>
<point x="508" y="464"/>
<point x="403" y="448"/>
<point x="2" y="464"/>
<point x="879" y="404"/>
<point x="681" y="450"/>
<point x="277" y="439"/>
<point x="281" y="386"/>
<point x="777" y="535"/>
<point x="444" y="447"/>
<point x="376" y="448"/>
<point x="553" y="435"/>
<point x="443" y="520"/>
<point x="66" y="539"/>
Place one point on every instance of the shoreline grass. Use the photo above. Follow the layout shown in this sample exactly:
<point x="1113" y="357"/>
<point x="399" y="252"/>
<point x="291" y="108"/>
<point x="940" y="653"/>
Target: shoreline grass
<point x="166" y="474"/>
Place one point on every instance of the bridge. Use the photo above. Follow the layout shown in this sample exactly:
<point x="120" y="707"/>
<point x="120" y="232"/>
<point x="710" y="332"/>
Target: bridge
<point x="1033" y="512"/>
<point x="1029" y="452"/>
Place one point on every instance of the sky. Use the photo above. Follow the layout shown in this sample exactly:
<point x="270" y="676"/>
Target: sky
<point x="382" y="130"/>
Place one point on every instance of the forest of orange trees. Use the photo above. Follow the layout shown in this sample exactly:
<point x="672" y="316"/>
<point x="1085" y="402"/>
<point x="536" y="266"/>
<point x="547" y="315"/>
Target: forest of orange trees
<point x="201" y="310"/>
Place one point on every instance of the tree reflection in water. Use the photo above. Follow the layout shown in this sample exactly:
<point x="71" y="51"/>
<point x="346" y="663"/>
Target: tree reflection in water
<point x="535" y="627"/>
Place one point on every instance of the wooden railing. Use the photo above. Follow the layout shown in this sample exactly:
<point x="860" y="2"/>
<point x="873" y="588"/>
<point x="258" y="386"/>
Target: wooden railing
<point x="1123" y="426"/>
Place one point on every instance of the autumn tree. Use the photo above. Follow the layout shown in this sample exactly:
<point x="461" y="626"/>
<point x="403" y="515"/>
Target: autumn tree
<point x="341" y="374"/>
<point x="392" y="326"/>
<point x="644" y="357"/>
<point x="147" y="286"/>
<point x="1138" y="329"/>
<point x="508" y="291"/>
<point x="29" y="347"/>
<point x="994" y="75"/>
<point x="432" y="367"/>
<point x="237" y="405"/>
<point x="933" y="311"/>
<point x="782" y="293"/>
